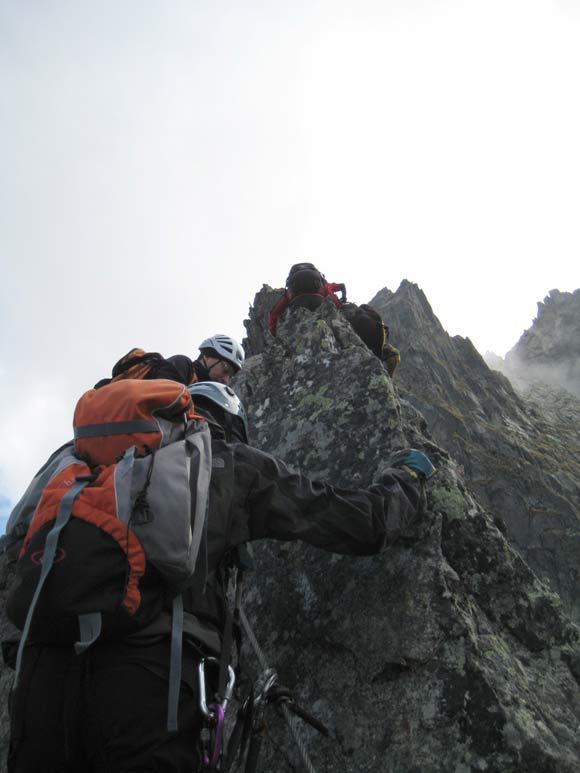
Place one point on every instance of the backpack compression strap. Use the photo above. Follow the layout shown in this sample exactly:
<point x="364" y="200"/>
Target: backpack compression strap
<point x="175" y="662"/>
<point x="133" y="426"/>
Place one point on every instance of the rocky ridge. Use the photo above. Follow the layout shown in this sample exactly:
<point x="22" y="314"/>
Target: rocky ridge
<point x="445" y="653"/>
<point x="518" y="450"/>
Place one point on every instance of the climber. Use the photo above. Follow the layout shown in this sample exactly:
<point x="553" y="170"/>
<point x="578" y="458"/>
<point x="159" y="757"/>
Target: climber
<point x="107" y="708"/>
<point x="390" y="355"/>
<point x="220" y="358"/>
<point x="368" y="324"/>
<point x="307" y="288"/>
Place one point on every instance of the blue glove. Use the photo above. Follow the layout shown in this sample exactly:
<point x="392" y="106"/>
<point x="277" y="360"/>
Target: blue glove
<point x="416" y="463"/>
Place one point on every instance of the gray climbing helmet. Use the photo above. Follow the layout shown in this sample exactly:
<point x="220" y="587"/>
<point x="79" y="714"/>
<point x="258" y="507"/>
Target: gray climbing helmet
<point x="225" y="347"/>
<point x="224" y="397"/>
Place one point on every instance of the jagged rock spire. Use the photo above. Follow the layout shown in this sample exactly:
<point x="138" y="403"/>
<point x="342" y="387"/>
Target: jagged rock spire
<point x="445" y="653"/>
<point x="549" y="351"/>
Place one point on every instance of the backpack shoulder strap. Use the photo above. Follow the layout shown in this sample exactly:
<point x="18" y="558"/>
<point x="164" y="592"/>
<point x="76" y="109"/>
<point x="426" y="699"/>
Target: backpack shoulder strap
<point x="23" y="511"/>
<point x="50" y="547"/>
<point x="175" y="663"/>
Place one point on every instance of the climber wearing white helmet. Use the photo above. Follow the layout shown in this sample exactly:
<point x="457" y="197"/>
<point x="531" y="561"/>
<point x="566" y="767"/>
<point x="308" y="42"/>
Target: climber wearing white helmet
<point x="221" y="357"/>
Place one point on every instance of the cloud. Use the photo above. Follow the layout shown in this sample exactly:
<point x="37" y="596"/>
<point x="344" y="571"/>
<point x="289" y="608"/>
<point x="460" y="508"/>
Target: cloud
<point x="159" y="167"/>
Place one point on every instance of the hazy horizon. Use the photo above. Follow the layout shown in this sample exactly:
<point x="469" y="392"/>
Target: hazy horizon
<point x="162" y="160"/>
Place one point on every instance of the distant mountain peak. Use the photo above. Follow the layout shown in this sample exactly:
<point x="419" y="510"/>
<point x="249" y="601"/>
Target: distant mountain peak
<point x="549" y="351"/>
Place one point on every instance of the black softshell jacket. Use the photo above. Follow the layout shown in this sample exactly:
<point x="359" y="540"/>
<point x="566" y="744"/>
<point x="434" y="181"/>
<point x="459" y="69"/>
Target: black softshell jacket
<point x="108" y="709"/>
<point x="254" y="496"/>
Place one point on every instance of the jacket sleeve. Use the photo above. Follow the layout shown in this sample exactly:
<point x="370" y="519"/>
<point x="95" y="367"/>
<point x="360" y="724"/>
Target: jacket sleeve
<point x="337" y="287"/>
<point x="283" y="504"/>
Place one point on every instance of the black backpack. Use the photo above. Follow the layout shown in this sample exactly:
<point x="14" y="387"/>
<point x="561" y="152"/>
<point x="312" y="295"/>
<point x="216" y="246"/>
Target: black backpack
<point x="306" y="287"/>
<point x="367" y="324"/>
<point x="305" y="278"/>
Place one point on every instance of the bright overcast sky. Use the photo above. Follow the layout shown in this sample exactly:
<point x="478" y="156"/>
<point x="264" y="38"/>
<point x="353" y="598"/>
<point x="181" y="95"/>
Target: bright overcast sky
<point x="160" y="161"/>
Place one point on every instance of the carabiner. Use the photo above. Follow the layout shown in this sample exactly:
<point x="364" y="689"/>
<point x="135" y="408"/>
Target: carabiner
<point x="264" y="684"/>
<point x="206" y="711"/>
<point x="214" y="715"/>
<point x="210" y="761"/>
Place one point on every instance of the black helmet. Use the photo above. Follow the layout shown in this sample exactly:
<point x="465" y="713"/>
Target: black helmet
<point x="230" y="414"/>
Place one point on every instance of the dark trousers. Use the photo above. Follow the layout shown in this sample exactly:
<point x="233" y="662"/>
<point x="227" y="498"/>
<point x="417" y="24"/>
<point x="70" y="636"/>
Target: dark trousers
<point x="105" y="711"/>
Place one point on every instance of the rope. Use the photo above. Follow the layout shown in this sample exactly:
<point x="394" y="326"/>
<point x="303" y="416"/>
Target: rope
<point x="290" y="720"/>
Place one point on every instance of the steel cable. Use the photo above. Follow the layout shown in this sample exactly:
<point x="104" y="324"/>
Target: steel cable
<point x="290" y="720"/>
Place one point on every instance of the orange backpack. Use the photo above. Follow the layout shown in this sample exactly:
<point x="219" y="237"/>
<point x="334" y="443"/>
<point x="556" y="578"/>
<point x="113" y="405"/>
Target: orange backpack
<point x="118" y="518"/>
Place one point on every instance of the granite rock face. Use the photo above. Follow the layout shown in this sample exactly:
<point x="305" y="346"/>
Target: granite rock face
<point x="518" y="450"/>
<point x="445" y="652"/>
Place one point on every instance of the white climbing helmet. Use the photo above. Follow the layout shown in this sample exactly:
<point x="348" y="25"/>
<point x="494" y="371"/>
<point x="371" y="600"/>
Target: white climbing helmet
<point x="224" y="397"/>
<point x="226" y="347"/>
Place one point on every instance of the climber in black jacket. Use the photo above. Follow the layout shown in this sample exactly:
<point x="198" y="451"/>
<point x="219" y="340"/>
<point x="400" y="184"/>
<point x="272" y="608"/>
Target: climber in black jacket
<point x="107" y="709"/>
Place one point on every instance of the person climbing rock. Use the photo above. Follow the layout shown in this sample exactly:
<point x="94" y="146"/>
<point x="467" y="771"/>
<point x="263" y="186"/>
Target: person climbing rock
<point x="390" y="355"/>
<point x="368" y="324"/>
<point x="106" y="708"/>
<point x="306" y="288"/>
<point x="220" y="358"/>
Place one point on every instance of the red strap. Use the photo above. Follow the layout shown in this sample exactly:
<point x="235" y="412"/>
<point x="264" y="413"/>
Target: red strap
<point x="276" y="312"/>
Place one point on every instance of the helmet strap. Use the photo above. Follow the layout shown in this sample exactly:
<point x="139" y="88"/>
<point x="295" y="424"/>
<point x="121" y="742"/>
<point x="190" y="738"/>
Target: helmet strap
<point x="202" y="369"/>
<point x="211" y="367"/>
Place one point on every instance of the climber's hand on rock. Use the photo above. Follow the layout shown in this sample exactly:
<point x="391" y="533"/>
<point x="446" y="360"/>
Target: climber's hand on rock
<point x="416" y="463"/>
